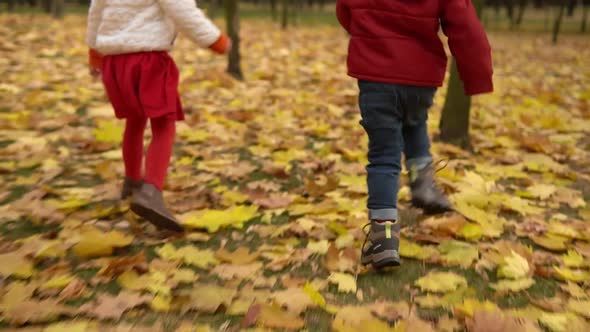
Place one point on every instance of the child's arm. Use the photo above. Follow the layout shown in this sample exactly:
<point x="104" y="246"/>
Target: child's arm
<point x="94" y="17"/>
<point x="343" y="15"/>
<point x="469" y="45"/>
<point x="195" y="24"/>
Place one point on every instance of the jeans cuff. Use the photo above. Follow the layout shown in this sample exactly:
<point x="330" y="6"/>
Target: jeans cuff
<point x="383" y="214"/>
<point x="418" y="163"/>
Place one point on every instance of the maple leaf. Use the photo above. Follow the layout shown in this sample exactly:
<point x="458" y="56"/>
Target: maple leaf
<point x="229" y="272"/>
<point x="346" y="282"/>
<point x="242" y="255"/>
<point x="273" y="316"/>
<point x="113" y="307"/>
<point x="514" y="267"/>
<point x="15" y="264"/>
<point x="295" y="300"/>
<point x="95" y="243"/>
<point x="209" y="298"/>
<point x="33" y="311"/>
<point x="213" y="220"/>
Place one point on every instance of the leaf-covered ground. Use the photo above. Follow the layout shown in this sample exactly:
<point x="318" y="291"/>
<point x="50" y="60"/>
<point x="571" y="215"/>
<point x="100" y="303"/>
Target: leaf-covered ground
<point x="269" y="173"/>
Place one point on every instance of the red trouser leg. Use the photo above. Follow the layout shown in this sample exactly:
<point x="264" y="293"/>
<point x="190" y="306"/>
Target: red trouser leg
<point x="160" y="150"/>
<point x="133" y="147"/>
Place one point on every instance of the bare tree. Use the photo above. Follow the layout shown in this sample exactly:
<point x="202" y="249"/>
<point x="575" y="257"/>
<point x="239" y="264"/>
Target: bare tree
<point x="454" y="121"/>
<point x="232" y="19"/>
<point x="557" y="23"/>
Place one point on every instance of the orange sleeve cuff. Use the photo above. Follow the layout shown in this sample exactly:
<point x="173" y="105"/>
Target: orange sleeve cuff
<point x="221" y="45"/>
<point x="94" y="59"/>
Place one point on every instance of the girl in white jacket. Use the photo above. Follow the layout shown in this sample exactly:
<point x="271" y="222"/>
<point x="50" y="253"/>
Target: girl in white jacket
<point x="129" y="42"/>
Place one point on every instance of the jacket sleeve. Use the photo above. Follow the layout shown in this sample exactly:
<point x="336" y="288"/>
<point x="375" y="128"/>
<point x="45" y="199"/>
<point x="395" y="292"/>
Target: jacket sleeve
<point x="192" y="21"/>
<point x="94" y="17"/>
<point x="343" y="14"/>
<point x="469" y="44"/>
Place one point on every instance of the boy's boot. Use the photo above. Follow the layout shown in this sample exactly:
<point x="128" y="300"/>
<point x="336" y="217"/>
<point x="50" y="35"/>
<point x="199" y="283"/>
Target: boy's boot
<point x="426" y="195"/>
<point x="381" y="248"/>
<point x="148" y="203"/>
<point x="129" y="187"/>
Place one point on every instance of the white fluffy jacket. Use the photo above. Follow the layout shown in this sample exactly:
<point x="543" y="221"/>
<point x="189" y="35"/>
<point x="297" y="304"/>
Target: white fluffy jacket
<point x="129" y="26"/>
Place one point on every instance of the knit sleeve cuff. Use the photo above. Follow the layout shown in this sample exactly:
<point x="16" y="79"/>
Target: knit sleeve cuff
<point x="94" y="59"/>
<point x="221" y="45"/>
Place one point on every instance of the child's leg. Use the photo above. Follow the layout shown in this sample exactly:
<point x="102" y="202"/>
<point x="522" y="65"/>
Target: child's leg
<point x="160" y="150"/>
<point x="133" y="147"/>
<point x="425" y="194"/>
<point x="382" y="121"/>
<point x="417" y="144"/>
<point x="148" y="202"/>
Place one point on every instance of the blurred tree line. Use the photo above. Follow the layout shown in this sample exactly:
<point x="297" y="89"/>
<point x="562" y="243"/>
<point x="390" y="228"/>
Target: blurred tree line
<point x="454" y="125"/>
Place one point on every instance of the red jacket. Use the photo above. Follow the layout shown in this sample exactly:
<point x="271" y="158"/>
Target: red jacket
<point x="396" y="41"/>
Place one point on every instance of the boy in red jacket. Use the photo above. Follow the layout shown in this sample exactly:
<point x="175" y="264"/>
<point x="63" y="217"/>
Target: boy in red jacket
<point x="399" y="61"/>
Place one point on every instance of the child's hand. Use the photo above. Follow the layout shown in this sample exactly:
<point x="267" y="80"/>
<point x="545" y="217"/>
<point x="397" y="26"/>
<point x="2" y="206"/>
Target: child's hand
<point x="222" y="46"/>
<point x="95" y="73"/>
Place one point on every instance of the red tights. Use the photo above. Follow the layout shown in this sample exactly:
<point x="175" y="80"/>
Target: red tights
<point x="159" y="152"/>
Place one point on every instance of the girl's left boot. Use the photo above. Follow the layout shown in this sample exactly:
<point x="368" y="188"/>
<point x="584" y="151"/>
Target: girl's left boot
<point x="148" y="203"/>
<point x="130" y="186"/>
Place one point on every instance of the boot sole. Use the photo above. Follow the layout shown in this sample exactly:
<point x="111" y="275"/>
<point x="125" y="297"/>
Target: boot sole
<point x="431" y="210"/>
<point x="385" y="259"/>
<point x="156" y="219"/>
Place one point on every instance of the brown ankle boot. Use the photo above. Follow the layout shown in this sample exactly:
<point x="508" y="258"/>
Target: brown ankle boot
<point x="129" y="187"/>
<point x="426" y="195"/>
<point x="148" y="203"/>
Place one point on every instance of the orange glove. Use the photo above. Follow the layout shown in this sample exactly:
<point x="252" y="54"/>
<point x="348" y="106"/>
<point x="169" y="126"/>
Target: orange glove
<point x="94" y="60"/>
<point x="222" y="45"/>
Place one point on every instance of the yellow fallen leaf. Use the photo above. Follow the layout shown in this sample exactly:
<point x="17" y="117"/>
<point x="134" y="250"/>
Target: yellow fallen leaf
<point x="556" y="322"/>
<point x="189" y="255"/>
<point x="542" y="191"/>
<point x="213" y="220"/>
<point x="58" y="282"/>
<point x="471" y="232"/>
<point x="95" y="243"/>
<point x="314" y="295"/>
<point x="346" y="282"/>
<point x="161" y="303"/>
<point x="515" y="285"/>
<point x="441" y="282"/>
<point x="319" y="247"/>
<point x="274" y="317"/>
<point x="514" y="267"/>
<point x="574" y="259"/>
<point x="16" y="293"/>
<point x="77" y="326"/>
<point x="109" y="132"/>
<point x="14" y="264"/>
<point x="409" y="249"/>
<point x="470" y="306"/>
<point x="572" y="275"/>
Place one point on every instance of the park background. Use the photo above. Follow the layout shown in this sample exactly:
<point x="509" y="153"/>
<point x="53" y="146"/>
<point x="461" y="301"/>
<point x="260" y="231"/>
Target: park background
<point x="269" y="176"/>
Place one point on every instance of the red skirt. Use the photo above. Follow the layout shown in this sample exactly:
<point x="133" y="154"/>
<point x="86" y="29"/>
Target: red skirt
<point x="142" y="85"/>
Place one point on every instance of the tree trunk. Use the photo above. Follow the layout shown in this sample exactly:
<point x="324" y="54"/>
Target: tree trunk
<point x="521" y="9"/>
<point x="285" y="14"/>
<point x="273" y="9"/>
<point x="232" y="19"/>
<point x="11" y="5"/>
<point x="584" y="18"/>
<point x="571" y="7"/>
<point x="212" y="9"/>
<point x="557" y="24"/>
<point x="46" y="5"/>
<point x="454" y="121"/>
<point x="57" y="8"/>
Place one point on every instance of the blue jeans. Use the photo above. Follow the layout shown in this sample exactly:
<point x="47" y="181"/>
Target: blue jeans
<point x="394" y="116"/>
